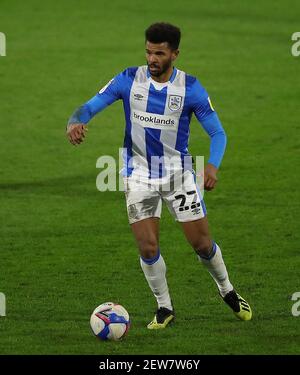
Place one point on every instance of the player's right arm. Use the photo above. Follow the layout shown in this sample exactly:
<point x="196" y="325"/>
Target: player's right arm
<point x="77" y="124"/>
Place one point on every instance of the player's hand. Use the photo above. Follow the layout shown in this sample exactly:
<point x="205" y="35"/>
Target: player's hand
<point x="210" y="177"/>
<point x="76" y="133"/>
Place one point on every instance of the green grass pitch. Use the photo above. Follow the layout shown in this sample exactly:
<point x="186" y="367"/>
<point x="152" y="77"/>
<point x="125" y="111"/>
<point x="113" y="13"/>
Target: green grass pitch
<point x="65" y="247"/>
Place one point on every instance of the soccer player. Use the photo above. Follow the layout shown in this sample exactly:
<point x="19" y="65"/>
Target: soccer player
<point x="159" y="101"/>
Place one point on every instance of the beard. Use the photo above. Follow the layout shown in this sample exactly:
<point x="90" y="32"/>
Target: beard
<point x="159" y="70"/>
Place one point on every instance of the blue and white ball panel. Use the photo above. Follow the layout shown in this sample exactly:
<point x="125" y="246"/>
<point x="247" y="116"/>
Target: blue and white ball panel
<point x="97" y="325"/>
<point x="109" y="321"/>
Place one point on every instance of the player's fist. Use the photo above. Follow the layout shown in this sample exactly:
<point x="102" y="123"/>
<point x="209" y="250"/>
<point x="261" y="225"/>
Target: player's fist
<point x="210" y="177"/>
<point x="76" y="133"/>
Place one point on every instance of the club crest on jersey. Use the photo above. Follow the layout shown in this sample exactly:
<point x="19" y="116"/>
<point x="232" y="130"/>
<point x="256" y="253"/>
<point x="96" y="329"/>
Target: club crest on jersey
<point x="175" y="102"/>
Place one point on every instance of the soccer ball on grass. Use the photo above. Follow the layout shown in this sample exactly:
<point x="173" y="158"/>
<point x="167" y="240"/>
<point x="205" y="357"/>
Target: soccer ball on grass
<point x="110" y="321"/>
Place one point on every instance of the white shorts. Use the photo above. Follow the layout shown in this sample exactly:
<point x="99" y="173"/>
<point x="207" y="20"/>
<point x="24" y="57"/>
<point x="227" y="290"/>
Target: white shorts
<point x="181" y="195"/>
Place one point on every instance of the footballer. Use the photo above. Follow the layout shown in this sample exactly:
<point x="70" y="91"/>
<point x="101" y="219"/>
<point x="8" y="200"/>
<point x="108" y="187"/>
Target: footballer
<point x="159" y="101"/>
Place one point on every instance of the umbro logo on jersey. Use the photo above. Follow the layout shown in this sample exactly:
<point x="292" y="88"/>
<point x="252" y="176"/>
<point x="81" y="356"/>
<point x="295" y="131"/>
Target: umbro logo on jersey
<point x="175" y="102"/>
<point x="138" y="96"/>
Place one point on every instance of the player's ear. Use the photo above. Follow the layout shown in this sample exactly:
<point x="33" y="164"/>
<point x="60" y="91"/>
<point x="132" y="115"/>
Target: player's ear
<point x="175" y="53"/>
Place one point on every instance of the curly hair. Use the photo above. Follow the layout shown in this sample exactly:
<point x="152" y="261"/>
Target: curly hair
<point x="161" y="32"/>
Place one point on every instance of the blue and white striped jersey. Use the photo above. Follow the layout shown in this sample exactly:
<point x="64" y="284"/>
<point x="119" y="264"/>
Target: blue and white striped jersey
<point x="157" y="117"/>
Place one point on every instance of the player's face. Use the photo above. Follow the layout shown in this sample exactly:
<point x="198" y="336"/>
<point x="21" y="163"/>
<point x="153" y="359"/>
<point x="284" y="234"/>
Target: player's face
<point x="159" y="57"/>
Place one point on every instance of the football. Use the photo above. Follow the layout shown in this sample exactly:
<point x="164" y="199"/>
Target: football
<point x="110" y="321"/>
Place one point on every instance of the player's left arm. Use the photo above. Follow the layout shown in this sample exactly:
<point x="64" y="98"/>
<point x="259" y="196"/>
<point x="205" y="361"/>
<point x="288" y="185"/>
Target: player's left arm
<point x="211" y="123"/>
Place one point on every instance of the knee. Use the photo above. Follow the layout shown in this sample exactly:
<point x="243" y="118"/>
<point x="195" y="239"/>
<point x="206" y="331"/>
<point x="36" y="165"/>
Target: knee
<point x="203" y="247"/>
<point x="148" y="248"/>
